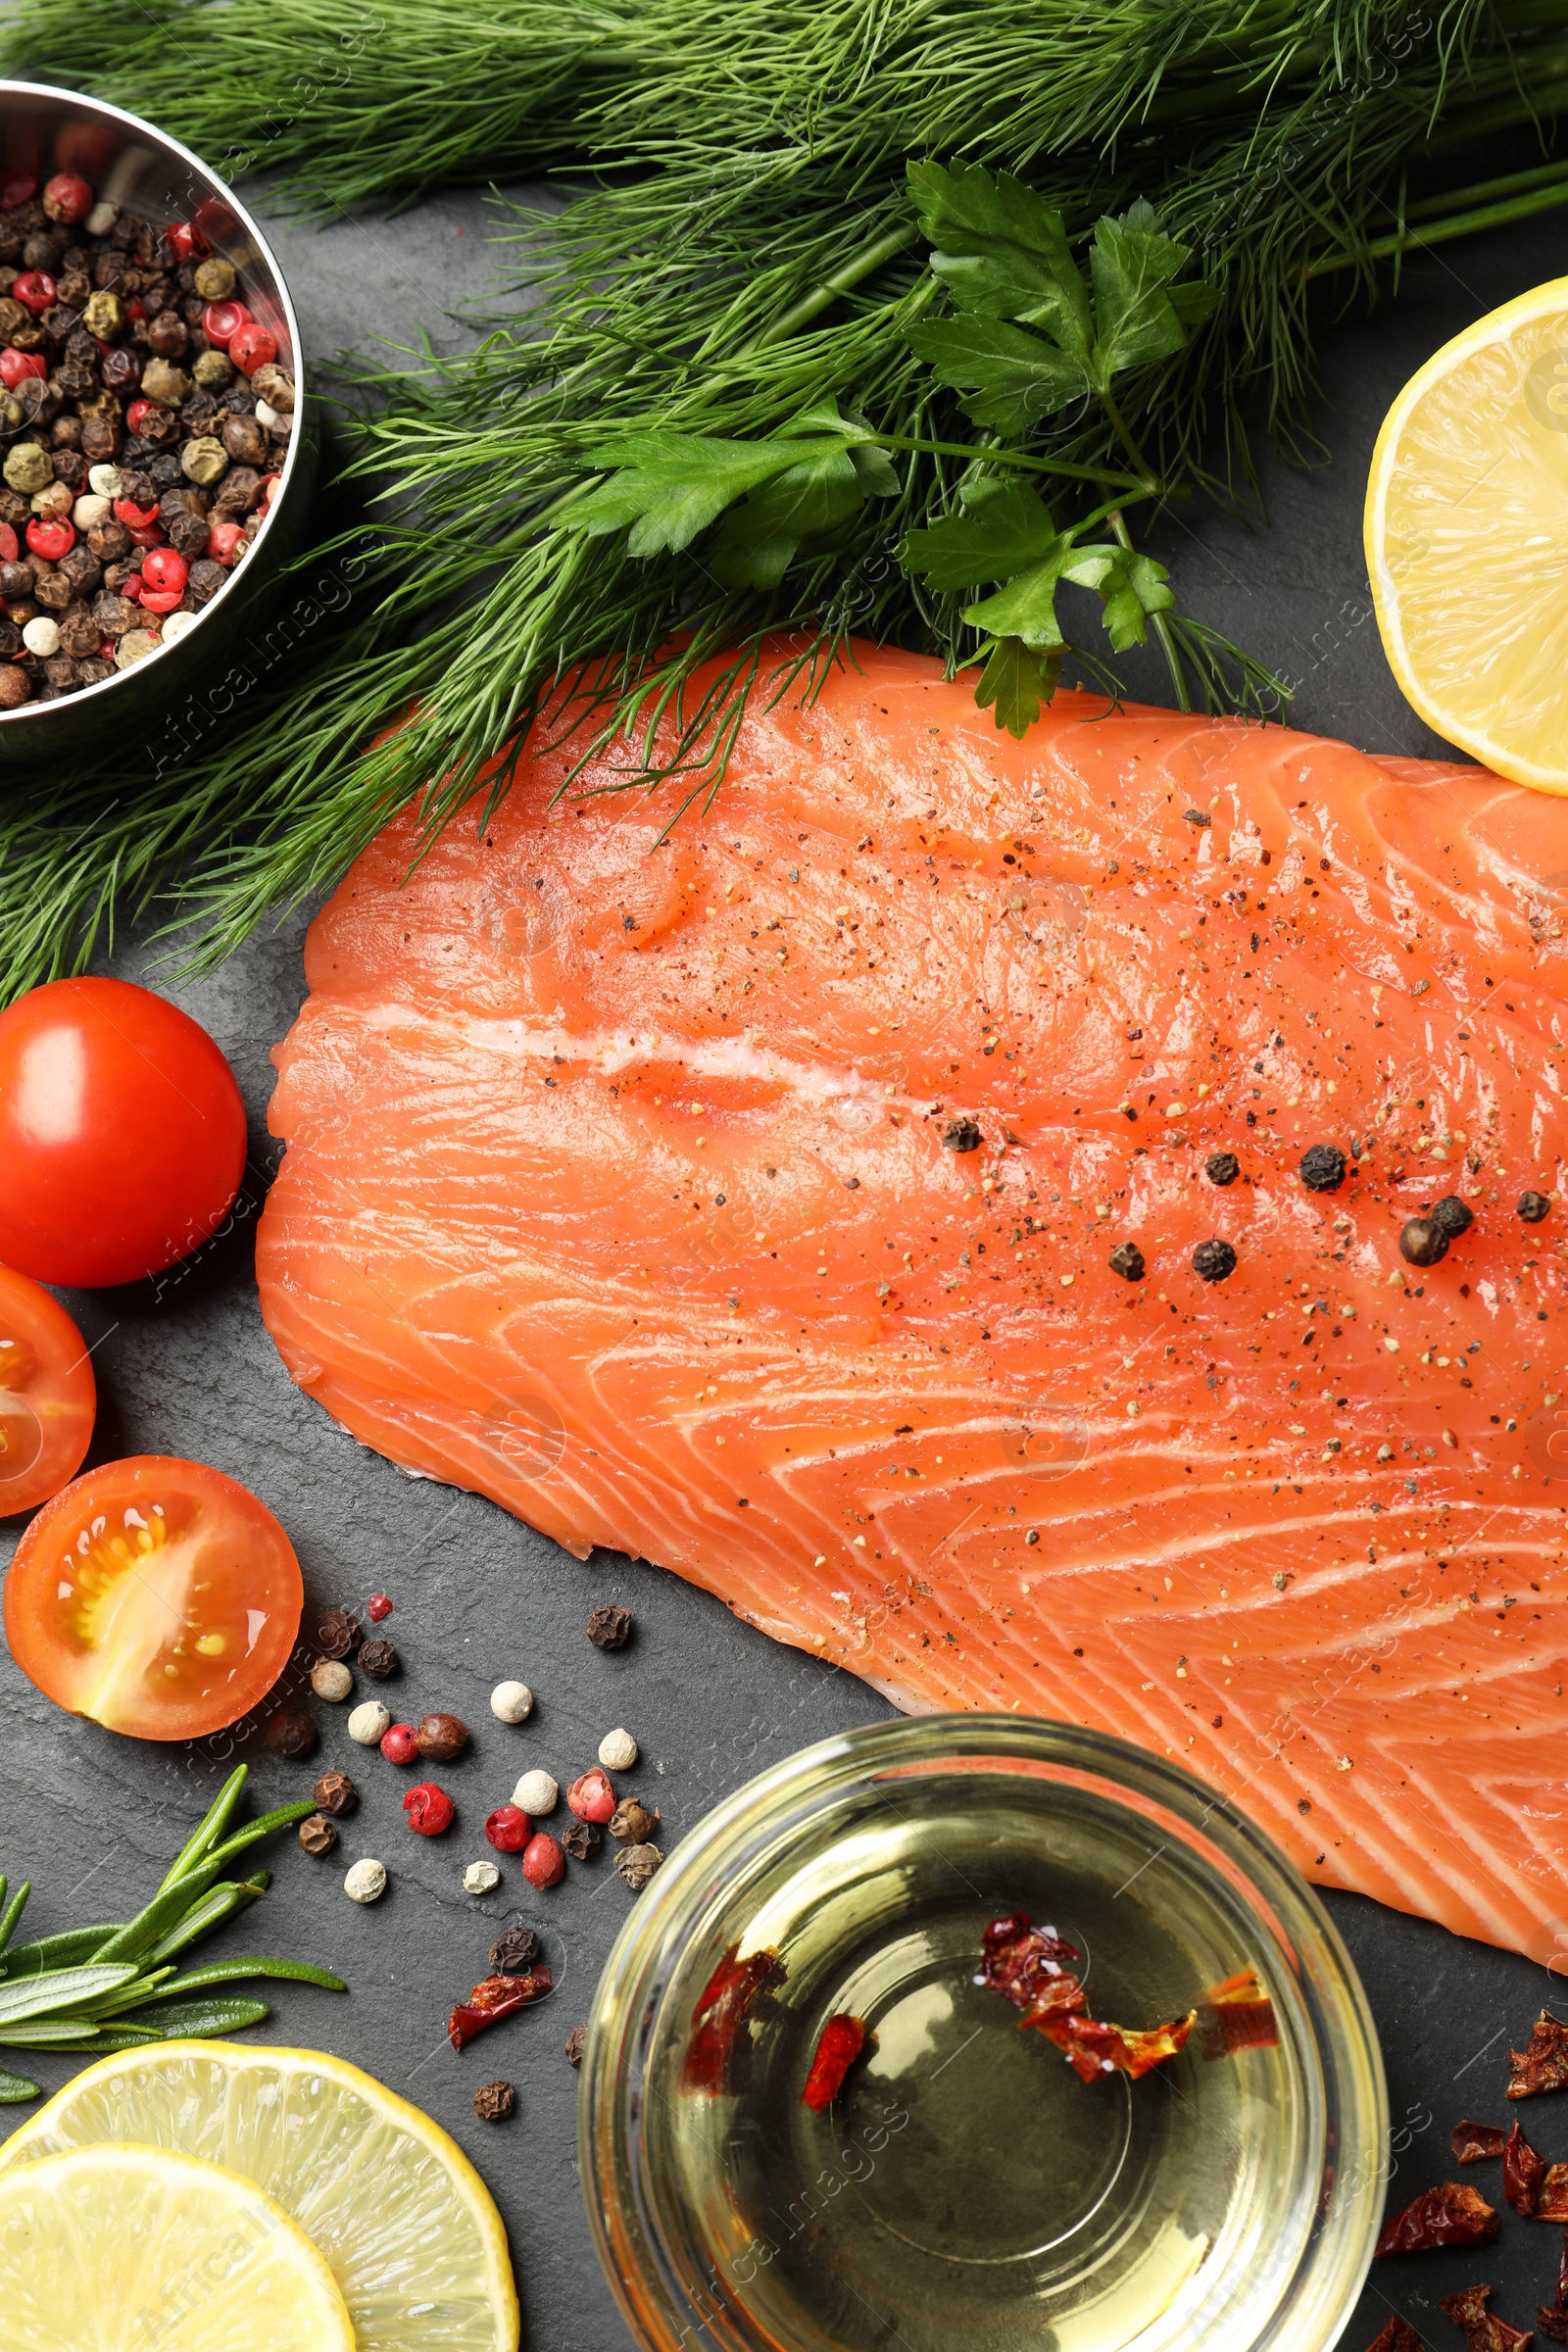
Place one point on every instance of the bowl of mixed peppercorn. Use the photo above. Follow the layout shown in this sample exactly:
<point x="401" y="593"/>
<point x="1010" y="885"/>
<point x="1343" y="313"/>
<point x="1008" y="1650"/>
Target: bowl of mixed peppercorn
<point x="156" y="457"/>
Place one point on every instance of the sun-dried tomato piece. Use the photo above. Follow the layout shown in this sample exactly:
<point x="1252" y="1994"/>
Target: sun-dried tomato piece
<point x="839" y="2045"/>
<point x="1237" y="2015"/>
<point x="1019" y="1960"/>
<point x="1551" y="2199"/>
<point x="1523" y="2173"/>
<point x="1483" y="2328"/>
<point x="1060" y="1996"/>
<point x="1398" y="2336"/>
<point x="718" y="2056"/>
<point x="1542" y="2063"/>
<point x="1094" y="2050"/>
<point x="1474" y="2143"/>
<point x="1449" y="2215"/>
<point x="497" y="1997"/>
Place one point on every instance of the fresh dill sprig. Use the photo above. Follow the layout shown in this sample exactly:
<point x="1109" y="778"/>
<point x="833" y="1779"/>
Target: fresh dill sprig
<point x="750" y="253"/>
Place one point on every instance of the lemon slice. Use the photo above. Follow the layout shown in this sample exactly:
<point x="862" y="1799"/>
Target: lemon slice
<point x="403" y="2218"/>
<point x="130" y="2249"/>
<point x="1466" y="533"/>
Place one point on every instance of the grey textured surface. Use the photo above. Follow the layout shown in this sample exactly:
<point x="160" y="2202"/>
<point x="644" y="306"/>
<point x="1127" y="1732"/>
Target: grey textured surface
<point x="185" y="1367"/>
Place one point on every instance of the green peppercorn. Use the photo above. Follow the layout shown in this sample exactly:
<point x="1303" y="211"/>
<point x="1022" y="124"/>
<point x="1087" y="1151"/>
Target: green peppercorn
<point x="28" y="467"/>
<point x="104" y="316"/>
<point x="215" y="278"/>
<point x="203" y="460"/>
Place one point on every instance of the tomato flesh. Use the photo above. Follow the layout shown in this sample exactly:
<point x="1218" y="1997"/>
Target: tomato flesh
<point x="48" y="1396"/>
<point x="121" y="1134"/>
<point x="156" y="1596"/>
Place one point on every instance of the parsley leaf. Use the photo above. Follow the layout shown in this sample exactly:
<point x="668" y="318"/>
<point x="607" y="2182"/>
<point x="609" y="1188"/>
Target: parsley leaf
<point x="668" y="487"/>
<point x="1001" y="527"/>
<point x="1034" y="335"/>
<point x="1015" y="682"/>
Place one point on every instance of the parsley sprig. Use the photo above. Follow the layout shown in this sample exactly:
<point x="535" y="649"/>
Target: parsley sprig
<point x="1033" y="333"/>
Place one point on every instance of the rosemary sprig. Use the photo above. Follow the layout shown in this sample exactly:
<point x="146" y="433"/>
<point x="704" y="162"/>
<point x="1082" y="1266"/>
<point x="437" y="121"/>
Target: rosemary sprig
<point x="109" y="1988"/>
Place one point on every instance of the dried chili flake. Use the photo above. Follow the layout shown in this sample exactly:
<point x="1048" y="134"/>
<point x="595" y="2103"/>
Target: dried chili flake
<point x="1398" y="2336"/>
<point x="1018" y="1960"/>
<point x="1474" y="2143"/>
<point x="1551" y="2199"/>
<point x="1552" y="2323"/>
<point x="497" y="1997"/>
<point x="1483" y="2328"/>
<point x="1094" y="2050"/>
<point x="1543" y="2064"/>
<point x="1237" y="2015"/>
<point x="839" y="2045"/>
<point x="718" y="2055"/>
<point x="1523" y="2173"/>
<point x="1449" y="2215"/>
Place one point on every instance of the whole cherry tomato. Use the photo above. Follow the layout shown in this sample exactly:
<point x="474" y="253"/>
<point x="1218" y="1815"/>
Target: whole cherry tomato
<point x="47" y="1395"/>
<point x="155" y="1596"/>
<point x="121" y="1133"/>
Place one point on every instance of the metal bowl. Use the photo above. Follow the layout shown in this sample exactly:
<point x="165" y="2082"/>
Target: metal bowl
<point x="150" y="714"/>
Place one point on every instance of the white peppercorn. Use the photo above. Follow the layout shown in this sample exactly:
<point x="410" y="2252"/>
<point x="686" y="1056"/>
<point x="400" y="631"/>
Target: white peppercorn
<point x="535" y="1794"/>
<point x="480" y="1878"/>
<point x="330" y="1679"/>
<point x="366" y="1883"/>
<point x="618" y="1752"/>
<point x="104" y="480"/>
<point x="368" y="1723"/>
<point x="41" y="636"/>
<point x="513" y="1702"/>
<point x="176" y="623"/>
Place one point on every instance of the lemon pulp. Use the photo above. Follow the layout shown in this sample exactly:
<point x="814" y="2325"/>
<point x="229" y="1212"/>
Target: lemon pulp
<point x="133" y="2249"/>
<point x="400" y="2216"/>
<point x="1467" y="539"/>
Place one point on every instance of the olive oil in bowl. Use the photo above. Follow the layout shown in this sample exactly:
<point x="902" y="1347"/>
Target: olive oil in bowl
<point x="965" y="2185"/>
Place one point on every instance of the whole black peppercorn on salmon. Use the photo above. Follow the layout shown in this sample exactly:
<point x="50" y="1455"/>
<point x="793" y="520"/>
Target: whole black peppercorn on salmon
<point x="948" y="1200"/>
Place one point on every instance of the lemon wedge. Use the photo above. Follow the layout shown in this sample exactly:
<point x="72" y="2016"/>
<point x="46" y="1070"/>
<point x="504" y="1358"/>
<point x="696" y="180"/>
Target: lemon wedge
<point x="403" y="2219"/>
<point x="1467" y="527"/>
<point x="130" y="2249"/>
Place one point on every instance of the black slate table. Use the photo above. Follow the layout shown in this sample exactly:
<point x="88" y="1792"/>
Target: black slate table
<point x="185" y="1367"/>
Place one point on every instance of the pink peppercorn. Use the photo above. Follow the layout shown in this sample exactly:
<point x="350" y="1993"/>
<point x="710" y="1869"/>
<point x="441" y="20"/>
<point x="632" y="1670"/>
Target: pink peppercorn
<point x="509" y="1830"/>
<point x="377" y="1607"/>
<point x="592" y="1798"/>
<point x="66" y="198"/>
<point x="429" y="1809"/>
<point x="399" y="1744"/>
<point x="543" y="1862"/>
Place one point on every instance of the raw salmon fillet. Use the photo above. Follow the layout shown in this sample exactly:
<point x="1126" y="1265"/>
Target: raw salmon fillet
<point x="746" y="1202"/>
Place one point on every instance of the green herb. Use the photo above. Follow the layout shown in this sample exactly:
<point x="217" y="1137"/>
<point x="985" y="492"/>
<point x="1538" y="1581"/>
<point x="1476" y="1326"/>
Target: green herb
<point x="92" y="1990"/>
<point x="750" y="257"/>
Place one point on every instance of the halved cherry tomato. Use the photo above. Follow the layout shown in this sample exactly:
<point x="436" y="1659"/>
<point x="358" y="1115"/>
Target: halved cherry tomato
<point x="121" y="1133"/>
<point x="48" y="1395"/>
<point x="155" y="1596"/>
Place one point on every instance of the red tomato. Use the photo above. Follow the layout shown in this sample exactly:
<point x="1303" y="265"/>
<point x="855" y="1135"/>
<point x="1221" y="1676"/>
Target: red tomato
<point x="156" y="1596"/>
<point x="121" y="1134"/>
<point x="47" y="1396"/>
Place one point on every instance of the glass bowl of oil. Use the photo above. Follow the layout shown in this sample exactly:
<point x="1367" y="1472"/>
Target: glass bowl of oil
<point x="965" y="2185"/>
